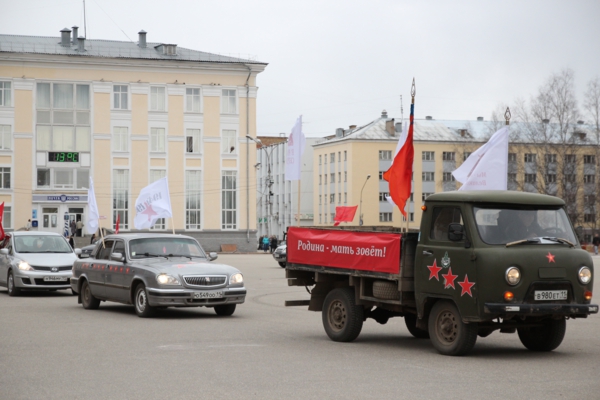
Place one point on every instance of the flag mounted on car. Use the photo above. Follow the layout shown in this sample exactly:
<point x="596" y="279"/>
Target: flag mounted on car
<point x="152" y="204"/>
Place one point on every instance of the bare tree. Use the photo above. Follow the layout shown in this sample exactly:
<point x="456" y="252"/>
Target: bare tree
<point x="592" y="105"/>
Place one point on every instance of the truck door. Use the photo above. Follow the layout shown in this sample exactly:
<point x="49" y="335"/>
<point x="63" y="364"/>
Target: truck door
<point x="447" y="267"/>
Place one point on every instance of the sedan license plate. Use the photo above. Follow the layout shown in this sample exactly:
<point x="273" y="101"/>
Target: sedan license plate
<point x="550" y="295"/>
<point x="55" y="279"/>
<point x="208" y="295"/>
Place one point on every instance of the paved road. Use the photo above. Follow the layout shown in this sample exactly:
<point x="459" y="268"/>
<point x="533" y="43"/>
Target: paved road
<point x="52" y="348"/>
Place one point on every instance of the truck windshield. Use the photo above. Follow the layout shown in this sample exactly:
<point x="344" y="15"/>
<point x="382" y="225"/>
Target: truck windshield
<point x="153" y="247"/>
<point x="506" y="225"/>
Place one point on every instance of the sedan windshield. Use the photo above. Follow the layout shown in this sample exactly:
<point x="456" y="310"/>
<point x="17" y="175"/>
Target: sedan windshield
<point x="164" y="247"/>
<point x="41" y="244"/>
<point x="507" y="225"/>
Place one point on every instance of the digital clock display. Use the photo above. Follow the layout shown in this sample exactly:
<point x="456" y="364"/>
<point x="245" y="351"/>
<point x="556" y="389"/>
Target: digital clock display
<point x="63" y="156"/>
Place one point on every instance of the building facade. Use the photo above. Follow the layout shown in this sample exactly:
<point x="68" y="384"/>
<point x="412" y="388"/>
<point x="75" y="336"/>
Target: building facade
<point x="127" y="114"/>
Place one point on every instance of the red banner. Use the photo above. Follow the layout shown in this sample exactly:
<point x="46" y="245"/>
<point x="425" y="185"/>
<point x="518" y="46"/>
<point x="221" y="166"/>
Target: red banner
<point x="364" y="251"/>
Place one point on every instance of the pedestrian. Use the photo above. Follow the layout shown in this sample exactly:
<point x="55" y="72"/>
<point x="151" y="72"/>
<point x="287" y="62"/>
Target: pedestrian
<point x="79" y="227"/>
<point x="73" y="227"/>
<point x="72" y="242"/>
<point x="28" y="226"/>
<point x="260" y="240"/>
<point x="93" y="239"/>
<point x="273" y="243"/>
<point x="596" y="243"/>
<point x="265" y="243"/>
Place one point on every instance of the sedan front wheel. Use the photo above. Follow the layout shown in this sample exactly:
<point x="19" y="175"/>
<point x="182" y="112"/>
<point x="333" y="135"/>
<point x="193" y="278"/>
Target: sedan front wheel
<point x="142" y="308"/>
<point x="12" y="289"/>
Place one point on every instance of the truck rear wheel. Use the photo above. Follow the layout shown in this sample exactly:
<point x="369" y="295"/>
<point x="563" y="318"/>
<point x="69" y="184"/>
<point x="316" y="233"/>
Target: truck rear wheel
<point x="411" y="324"/>
<point x="449" y="334"/>
<point x="544" y="338"/>
<point x="342" y="318"/>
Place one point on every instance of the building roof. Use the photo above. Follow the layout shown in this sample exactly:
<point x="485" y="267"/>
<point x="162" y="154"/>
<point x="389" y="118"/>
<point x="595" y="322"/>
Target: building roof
<point x="108" y="49"/>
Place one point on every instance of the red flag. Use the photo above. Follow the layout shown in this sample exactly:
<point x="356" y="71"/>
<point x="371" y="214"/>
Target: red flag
<point x="2" y="235"/>
<point x="344" y="214"/>
<point x="399" y="175"/>
<point x="117" y="226"/>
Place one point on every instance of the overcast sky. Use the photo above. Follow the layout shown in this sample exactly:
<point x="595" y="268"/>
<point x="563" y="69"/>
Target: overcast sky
<point x="341" y="63"/>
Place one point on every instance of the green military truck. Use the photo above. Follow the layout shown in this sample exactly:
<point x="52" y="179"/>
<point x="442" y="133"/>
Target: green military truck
<point x="482" y="261"/>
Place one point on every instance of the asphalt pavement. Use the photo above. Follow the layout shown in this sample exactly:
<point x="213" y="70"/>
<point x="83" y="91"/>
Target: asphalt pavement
<point x="51" y="348"/>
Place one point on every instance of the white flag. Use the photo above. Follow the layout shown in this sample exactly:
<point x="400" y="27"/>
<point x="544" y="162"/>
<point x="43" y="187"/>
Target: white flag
<point x="152" y="203"/>
<point x="91" y="223"/>
<point x="295" y="149"/>
<point x="487" y="167"/>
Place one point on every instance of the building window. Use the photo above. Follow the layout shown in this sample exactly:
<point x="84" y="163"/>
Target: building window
<point x="428" y="156"/>
<point x="157" y="140"/>
<point x="589" y="199"/>
<point x="339" y="198"/>
<point x="5" y="178"/>
<point x="412" y="195"/>
<point x="63" y="178"/>
<point x="332" y="157"/>
<point x="193" y="200"/>
<point x="385" y="217"/>
<point x="228" y="102"/>
<point x="345" y="197"/>
<point x="157" y="98"/>
<point x="320" y="199"/>
<point x="156" y="174"/>
<point x="120" y="140"/>
<point x="588" y="159"/>
<point x="550" y="178"/>
<point x="228" y="142"/>
<point x="5" y="94"/>
<point x="332" y="180"/>
<point x="5" y="137"/>
<point x="550" y="158"/>
<point x="345" y="155"/>
<point x="589" y="178"/>
<point x="228" y="200"/>
<point x="339" y="177"/>
<point x="383" y="195"/>
<point x="530" y="158"/>
<point x="7" y="217"/>
<point x="332" y="198"/>
<point x="411" y="217"/>
<point x="570" y="158"/>
<point x="192" y="100"/>
<point x="120" y="97"/>
<point x="589" y="217"/>
<point x="530" y="178"/>
<point x="512" y="157"/>
<point x="448" y="156"/>
<point x="192" y="141"/>
<point x="572" y="177"/>
<point x="319" y="160"/>
<point x="43" y="178"/>
<point x="385" y="154"/>
<point x="325" y="178"/>
<point x="428" y="176"/>
<point x="466" y="155"/>
<point x="448" y="177"/>
<point x="425" y="195"/>
<point x="320" y="176"/>
<point x="512" y="177"/>
<point x="120" y="198"/>
<point x="381" y="175"/>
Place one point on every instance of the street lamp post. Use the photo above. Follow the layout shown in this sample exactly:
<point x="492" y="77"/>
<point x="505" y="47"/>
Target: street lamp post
<point x="360" y="221"/>
<point x="269" y="183"/>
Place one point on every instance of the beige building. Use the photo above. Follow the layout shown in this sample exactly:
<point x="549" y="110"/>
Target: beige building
<point x="127" y="114"/>
<point x="349" y="165"/>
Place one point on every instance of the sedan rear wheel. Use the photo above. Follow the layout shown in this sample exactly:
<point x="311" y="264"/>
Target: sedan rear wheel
<point x="88" y="301"/>
<point x="142" y="308"/>
<point x="12" y="289"/>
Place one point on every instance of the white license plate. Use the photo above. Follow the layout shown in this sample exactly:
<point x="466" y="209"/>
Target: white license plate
<point x="550" y="295"/>
<point x="55" y="279"/>
<point x="208" y="295"/>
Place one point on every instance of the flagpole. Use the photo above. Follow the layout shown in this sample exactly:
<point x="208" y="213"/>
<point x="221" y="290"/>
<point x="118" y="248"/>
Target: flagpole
<point x="173" y="225"/>
<point x="413" y="92"/>
<point x="507" y="116"/>
<point x="101" y="234"/>
<point x="298" y="220"/>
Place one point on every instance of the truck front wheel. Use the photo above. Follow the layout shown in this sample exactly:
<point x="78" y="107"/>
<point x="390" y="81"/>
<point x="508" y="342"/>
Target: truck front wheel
<point x="342" y="318"/>
<point x="449" y="334"/>
<point x="544" y="338"/>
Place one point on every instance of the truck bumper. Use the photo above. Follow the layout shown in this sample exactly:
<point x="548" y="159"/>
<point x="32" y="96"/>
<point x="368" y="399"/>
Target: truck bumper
<point x="540" y="309"/>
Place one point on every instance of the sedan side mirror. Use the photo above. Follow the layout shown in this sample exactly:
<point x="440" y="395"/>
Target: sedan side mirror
<point x="78" y="252"/>
<point x="117" y="257"/>
<point x="456" y="232"/>
<point x="4" y="252"/>
<point x="212" y="256"/>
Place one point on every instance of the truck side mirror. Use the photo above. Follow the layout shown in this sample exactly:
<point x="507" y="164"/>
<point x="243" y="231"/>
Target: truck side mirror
<point x="456" y="232"/>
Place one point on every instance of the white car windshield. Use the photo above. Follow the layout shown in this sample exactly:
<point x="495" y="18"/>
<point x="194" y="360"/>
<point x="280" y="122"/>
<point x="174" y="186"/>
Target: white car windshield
<point x="41" y="244"/>
<point x="164" y="247"/>
<point x="506" y="225"/>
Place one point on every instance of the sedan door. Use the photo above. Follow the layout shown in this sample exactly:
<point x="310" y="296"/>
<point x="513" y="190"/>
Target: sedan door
<point x="98" y="270"/>
<point x="116" y="275"/>
<point x="5" y="260"/>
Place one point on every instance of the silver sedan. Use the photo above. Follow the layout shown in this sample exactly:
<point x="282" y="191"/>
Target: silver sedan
<point x="35" y="261"/>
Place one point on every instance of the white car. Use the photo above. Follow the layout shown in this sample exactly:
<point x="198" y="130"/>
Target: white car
<point x="35" y="261"/>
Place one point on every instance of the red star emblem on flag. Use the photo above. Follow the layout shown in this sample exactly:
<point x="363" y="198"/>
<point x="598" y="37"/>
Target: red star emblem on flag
<point x="449" y="279"/>
<point x="434" y="271"/>
<point x="466" y="286"/>
<point x="550" y="257"/>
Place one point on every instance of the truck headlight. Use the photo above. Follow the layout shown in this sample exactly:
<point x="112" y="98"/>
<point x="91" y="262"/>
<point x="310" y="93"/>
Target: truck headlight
<point x="165" y="279"/>
<point x="25" y="266"/>
<point x="235" y="279"/>
<point x="585" y="275"/>
<point x="513" y="275"/>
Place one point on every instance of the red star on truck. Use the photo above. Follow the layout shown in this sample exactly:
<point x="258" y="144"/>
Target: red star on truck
<point x="466" y="286"/>
<point x="434" y="270"/>
<point x="550" y="257"/>
<point x="449" y="279"/>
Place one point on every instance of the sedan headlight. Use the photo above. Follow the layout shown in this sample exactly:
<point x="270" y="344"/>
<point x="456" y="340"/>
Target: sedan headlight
<point x="235" y="279"/>
<point x="25" y="266"/>
<point x="165" y="279"/>
<point x="585" y="275"/>
<point x="513" y="275"/>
